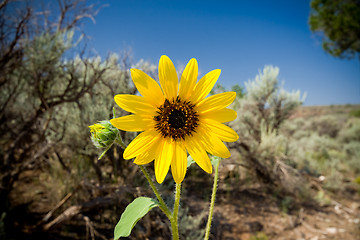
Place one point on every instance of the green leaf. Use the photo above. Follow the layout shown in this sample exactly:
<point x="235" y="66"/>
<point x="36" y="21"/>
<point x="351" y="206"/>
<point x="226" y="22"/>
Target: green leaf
<point x="132" y="214"/>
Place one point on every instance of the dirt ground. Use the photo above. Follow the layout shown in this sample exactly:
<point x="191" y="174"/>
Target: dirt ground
<point x="251" y="214"/>
<point x="247" y="212"/>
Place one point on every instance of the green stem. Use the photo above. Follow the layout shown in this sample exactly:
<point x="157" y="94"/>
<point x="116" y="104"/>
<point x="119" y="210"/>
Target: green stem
<point x="212" y="203"/>
<point x="163" y="205"/>
<point x="119" y="141"/>
<point x="174" y="219"/>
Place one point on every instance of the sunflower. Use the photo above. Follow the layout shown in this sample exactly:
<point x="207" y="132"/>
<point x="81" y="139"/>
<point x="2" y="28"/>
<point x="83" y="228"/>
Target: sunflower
<point x="176" y="119"/>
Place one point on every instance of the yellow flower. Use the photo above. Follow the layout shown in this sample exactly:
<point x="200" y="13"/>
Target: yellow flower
<point x="176" y="119"/>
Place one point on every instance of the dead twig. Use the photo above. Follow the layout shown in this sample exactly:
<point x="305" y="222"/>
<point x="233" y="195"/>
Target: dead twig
<point x="50" y="213"/>
<point x="90" y="228"/>
<point x="77" y="209"/>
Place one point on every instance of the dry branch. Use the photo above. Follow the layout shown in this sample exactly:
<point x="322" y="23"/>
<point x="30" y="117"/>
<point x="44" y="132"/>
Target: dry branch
<point x="78" y="209"/>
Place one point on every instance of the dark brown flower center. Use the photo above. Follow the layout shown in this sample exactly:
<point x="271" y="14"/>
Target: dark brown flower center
<point x="176" y="119"/>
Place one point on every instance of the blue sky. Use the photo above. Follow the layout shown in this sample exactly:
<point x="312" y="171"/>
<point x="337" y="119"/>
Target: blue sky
<point x="239" y="37"/>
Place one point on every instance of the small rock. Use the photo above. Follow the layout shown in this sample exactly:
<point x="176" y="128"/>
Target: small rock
<point x="230" y="167"/>
<point x="331" y="230"/>
<point x="337" y="209"/>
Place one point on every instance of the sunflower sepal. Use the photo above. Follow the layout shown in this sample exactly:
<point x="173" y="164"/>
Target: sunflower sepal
<point x="215" y="160"/>
<point x="190" y="161"/>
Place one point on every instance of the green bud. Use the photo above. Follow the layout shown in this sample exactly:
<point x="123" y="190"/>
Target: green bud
<point x="103" y="134"/>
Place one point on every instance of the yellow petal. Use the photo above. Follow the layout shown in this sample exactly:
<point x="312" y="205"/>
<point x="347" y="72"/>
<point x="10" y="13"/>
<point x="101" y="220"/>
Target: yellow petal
<point x="198" y="153"/>
<point x="215" y="102"/>
<point x="134" y="104"/>
<point x="168" y="77"/>
<point x="163" y="160"/>
<point x="132" y="123"/>
<point x="147" y="87"/>
<point x="144" y="158"/>
<point x="140" y="144"/>
<point x="149" y="155"/>
<point x="222" y="115"/>
<point x="188" y="79"/>
<point x="179" y="162"/>
<point x="204" y="86"/>
<point x="220" y="130"/>
<point x="213" y="144"/>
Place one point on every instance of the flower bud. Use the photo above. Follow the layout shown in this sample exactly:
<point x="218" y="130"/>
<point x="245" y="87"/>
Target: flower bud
<point x="103" y="134"/>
